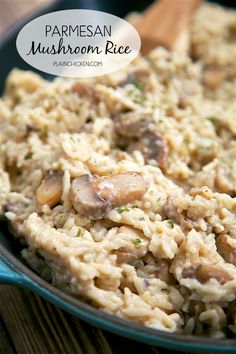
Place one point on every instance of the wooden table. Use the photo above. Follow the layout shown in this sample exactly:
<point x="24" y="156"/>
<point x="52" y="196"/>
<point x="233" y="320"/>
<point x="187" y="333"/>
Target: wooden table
<point x="31" y="325"/>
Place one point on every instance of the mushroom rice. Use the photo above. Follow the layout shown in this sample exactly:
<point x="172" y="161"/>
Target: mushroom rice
<point x="122" y="189"/>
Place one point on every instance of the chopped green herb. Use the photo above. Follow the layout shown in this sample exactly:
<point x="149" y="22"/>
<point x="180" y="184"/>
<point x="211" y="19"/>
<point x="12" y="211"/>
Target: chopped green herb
<point x="158" y="199"/>
<point x="136" y="242"/>
<point x="45" y="131"/>
<point x="79" y="233"/>
<point x="213" y="119"/>
<point x="186" y="139"/>
<point x="66" y="91"/>
<point x="199" y="267"/>
<point x="141" y="100"/>
<point x="140" y="86"/>
<point x="137" y="97"/>
<point x="171" y="223"/>
<point x="142" y="218"/>
<point x="170" y="111"/>
<point x="122" y="210"/>
<point x="134" y="206"/>
<point x="30" y="129"/>
<point x="206" y="190"/>
<point x="28" y="156"/>
<point x="131" y="92"/>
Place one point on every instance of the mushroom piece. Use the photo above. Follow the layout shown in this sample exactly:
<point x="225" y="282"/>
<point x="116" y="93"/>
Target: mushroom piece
<point x="124" y="256"/>
<point x="106" y="283"/>
<point x="86" y="90"/>
<point x="132" y="124"/>
<point x="50" y="190"/>
<point x="137" y="126"/>
<point x="138" y="78"/>
<point x="125" y="283"/>
<point x="135" y="248"/>
<point x="225" y="249"/>
<point x="153" y="147"/>
<point x="94" y="197"/>
<point x="204" y="272"/>
<point x="181" y="219"/>
<point x="163" y="271"/>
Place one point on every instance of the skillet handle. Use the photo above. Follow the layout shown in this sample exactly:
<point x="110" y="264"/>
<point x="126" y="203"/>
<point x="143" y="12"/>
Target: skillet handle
<point x="8" y="275"/>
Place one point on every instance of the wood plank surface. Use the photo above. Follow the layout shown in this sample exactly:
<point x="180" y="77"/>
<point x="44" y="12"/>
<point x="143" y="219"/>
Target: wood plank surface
<point x="31" y="325"/>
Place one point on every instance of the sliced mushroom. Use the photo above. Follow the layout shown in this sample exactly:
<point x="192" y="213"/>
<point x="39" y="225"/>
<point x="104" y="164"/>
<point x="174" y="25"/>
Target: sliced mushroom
<point x="124" y="256"/>
<point x="126" y="187"/>
<point x="137" y="126"/>
<point x="132" y="124"/>
<point x="94" y="197"/>
<point x="125" y="283"/>
<point x="136" y="245"/>
<point x="154" y="147"/>
<point x="138" y="77"/>
<point x="163" y="271"/>
<point x="106" y="283"/>
<point x="86" y="90"/>
<point x="86" y="200"/>
<point x="179" y="218"/>
<point x="225" y="249"/>
<point x="204" y="272"/>
<point x="50" y="190"/>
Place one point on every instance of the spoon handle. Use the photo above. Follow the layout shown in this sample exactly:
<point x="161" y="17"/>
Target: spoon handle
<point x="165" y="23"/>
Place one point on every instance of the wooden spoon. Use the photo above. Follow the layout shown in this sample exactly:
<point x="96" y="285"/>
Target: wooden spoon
<point x="165" y="23"/>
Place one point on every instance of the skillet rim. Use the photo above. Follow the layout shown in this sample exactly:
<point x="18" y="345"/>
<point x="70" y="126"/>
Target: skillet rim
<point x="79" y="307"/>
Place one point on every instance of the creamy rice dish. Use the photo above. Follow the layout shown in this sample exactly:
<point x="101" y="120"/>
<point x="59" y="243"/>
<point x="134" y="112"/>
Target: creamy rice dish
<point x="122" y="188"/>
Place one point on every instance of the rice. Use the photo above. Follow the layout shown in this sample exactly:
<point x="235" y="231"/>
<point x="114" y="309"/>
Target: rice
<point x="166" y="259"/>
